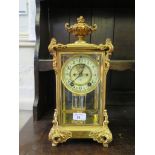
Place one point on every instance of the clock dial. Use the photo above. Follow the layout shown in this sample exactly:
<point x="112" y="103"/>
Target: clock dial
<point x="80" y="74"/>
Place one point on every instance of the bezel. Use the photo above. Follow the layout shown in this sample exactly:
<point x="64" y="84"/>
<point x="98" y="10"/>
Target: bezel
<point x="80" y="92"/>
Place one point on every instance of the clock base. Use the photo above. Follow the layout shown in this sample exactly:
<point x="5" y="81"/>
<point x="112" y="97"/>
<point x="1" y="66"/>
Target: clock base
<point x="60" y="134"/>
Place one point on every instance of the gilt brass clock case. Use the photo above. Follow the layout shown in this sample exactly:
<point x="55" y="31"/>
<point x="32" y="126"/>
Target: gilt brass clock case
<point x="80" y="112"/>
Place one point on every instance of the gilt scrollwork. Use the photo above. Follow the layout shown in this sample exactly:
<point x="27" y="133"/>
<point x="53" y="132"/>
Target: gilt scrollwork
<point x="56" y="134"/>
<point x="102" y="135"/>
<point x="107" y="48"/>
<point x="53" y="46"/>
<point x="106" y="120"/>
<point x="107" y="63"/>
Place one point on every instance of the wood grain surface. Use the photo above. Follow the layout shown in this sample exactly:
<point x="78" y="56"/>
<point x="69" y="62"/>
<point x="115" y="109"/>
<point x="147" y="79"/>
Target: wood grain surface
<point x="34" y="137"/>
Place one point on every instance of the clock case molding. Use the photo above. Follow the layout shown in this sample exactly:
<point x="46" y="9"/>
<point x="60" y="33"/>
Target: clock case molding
<point x="113" y="22"/>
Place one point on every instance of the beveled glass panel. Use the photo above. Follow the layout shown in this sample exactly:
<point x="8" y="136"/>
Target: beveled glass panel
<point x="81" y="109"/>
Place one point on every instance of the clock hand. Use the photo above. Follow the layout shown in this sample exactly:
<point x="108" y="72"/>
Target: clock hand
<point x="82" y="69"/>
<point x="80" y="73"/>
<point x="76" y="78"/>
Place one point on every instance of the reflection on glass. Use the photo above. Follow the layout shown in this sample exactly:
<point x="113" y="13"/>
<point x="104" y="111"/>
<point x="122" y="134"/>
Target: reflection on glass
<point x="78" y="102"/>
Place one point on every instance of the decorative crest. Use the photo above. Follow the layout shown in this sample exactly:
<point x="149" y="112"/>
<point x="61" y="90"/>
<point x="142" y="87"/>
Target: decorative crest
<point x="80" y="29"/>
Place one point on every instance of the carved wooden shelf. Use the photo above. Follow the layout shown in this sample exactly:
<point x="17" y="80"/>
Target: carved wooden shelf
<point x="118" y="65"/>
<point x="122" y="65"/>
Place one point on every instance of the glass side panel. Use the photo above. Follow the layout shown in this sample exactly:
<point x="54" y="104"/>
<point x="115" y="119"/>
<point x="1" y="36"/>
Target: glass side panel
<point x="82" y="109"/>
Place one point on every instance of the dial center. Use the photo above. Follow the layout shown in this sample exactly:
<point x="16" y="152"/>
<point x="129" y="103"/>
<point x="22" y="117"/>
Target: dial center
<point x="80" y="74"/>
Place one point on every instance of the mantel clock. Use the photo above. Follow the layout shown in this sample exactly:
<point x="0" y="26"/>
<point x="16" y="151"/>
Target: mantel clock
<point x="80" y="70"/>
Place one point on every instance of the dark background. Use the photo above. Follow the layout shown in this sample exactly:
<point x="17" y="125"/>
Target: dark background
<point x="115" y="20"/>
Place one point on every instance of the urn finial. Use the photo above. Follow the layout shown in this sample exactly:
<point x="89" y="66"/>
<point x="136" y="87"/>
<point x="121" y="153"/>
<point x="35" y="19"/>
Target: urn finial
<point x="80" y="29"/>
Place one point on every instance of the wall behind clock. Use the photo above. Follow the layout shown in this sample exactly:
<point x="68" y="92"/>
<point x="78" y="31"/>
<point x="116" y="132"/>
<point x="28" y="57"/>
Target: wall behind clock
<point x="27" y="11"/>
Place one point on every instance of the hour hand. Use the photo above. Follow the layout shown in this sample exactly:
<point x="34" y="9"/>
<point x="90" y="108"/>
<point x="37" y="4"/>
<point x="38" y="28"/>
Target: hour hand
<point x="82" y="68"/>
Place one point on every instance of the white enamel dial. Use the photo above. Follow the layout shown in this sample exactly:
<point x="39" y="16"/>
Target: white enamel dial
<point x="80" y="74"/>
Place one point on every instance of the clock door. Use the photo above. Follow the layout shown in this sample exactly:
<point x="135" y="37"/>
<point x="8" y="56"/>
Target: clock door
<point x="81" y="83"/>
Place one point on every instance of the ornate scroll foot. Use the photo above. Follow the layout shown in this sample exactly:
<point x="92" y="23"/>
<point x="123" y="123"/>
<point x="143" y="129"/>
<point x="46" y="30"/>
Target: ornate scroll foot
<point x="102" y="135"/>
<point x="56" y="134"/>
